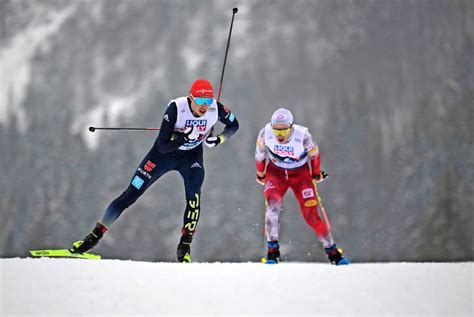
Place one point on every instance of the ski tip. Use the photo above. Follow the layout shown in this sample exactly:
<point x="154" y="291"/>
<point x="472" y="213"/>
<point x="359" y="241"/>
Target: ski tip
<point x="39" y="252"/>
<point x="64" y="253"/>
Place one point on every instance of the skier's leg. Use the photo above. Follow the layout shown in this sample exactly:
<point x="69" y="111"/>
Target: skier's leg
<point x="305" y="193"/>
<point x="303" y="187"/>
<point x="192" y="172"/>
<point x="274" y="190"/>
<point x="273" y="201"/>
<point x="146" y="174"/>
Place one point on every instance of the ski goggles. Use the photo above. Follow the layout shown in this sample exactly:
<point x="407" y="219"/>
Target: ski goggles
<point x="201" y="101"/>
<point x="281" y="132"/>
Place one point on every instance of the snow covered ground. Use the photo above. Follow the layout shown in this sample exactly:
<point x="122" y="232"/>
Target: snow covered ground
<point x="112" y="287"/>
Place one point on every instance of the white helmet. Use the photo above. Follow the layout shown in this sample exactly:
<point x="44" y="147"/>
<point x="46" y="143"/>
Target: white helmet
<point x="282" y="115"/>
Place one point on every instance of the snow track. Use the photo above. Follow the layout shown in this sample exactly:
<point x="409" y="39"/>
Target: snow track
<point x="114" y="287"/>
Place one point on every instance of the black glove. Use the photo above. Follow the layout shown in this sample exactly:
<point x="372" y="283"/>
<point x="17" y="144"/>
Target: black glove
<point x="261" y="179"/>
<point x="212" y="141"/>
<point x="318" y="178"/>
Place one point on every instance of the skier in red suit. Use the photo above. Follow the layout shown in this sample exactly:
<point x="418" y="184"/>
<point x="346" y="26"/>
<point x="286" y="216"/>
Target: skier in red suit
<point x="286" y="157"/>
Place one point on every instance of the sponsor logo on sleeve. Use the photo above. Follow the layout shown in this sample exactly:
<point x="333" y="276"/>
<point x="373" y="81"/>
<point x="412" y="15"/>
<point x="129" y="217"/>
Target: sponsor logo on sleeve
<point x="231" y="117"/>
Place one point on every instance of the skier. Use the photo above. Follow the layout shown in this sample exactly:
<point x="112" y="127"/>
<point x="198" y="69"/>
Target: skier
<point x="186" y="124"/>
<point x="293" y="162"/>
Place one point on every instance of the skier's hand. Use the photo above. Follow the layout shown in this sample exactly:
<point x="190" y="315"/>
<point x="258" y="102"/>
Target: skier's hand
<point x="318" y="178"/>
<point x="260" y="179"/>
<point x="191" y="133"/>
<point x="213" y="141"/>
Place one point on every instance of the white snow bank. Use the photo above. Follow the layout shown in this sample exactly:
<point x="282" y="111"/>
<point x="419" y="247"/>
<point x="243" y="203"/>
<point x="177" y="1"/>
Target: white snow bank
<point x="113" y="287"/>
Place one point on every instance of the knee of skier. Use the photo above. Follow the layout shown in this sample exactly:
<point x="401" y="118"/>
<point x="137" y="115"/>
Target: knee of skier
<point x="273" y="206"/>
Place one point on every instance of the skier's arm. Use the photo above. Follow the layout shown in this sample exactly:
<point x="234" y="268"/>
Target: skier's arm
<point x="168" y="140"/>
<point x="260" y="156"/>
<point x="228" y="119"/>
<point x="313" y="154"/>
<point x="231" y="126"/>
<point x="315" y="162"/>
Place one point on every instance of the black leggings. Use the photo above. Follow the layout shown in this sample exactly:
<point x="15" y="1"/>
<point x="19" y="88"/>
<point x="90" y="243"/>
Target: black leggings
<point x="155" y="164"/>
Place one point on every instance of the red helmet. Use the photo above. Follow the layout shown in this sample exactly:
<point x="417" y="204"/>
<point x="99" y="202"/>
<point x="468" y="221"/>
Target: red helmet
<point x="202" y="88"/>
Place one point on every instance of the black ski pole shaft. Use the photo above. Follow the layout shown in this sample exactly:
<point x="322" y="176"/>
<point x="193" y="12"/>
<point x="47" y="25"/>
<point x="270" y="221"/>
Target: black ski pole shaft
<point x="234" y="11"/>
<point x="92" y="129"/>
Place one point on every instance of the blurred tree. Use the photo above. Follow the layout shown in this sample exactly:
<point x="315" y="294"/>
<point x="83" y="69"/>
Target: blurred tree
<point x="447" y="231"/>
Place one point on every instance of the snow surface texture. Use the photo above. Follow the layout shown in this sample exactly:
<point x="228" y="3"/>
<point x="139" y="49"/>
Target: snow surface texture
<point x="112" y="287"/>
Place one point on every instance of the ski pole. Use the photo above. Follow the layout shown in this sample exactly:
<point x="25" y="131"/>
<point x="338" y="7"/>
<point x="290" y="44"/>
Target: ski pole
<point x="234" y="11"/>
<point x="92" y="129"/>
<point x="326" y="220"/>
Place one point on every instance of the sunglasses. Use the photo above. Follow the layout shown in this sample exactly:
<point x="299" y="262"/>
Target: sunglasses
<point x="281" y="132"/>
<point x="202" y="101"/>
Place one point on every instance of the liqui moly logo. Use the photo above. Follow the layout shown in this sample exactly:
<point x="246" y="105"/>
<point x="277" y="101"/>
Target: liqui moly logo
<point x="283" y="150"/>
<point x="199" y="124"/>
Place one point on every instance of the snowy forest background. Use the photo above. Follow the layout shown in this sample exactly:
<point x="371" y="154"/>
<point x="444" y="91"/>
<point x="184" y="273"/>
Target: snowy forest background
<point x="386" y="88"/>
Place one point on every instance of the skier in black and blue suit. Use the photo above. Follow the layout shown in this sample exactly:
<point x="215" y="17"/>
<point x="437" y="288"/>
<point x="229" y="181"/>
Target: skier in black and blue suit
<point x="186" y="125"/>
